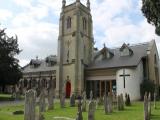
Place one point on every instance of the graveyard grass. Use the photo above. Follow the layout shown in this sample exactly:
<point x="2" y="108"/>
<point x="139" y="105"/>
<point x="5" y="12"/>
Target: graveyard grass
<point x="135" y="112"/>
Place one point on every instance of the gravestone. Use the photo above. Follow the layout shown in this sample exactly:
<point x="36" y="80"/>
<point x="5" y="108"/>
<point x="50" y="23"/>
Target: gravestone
<point x="91" y="110"/>
<point x="122" y="102"/>
<point x="127" y="100"/>
<point x="154" y="100"/>
<point x="38" y="87"/>
<point x="146" y="107"/>
<point x="114" y="100"/>
<point x="30" y="104"/>
<point x="72" y="100"/>
<point x="108" y="104"/>
<point x="17" y="91"/>
<point x="119" y="102"/>
<point x="79" y="114"/>
<point x="84" y="101"/>
<point x="91" y="95"/>
<point x="50" y="95"/>
<point x="149" y="105"/>
<point x="42" y="104"/>
<point x="62" y="100"/>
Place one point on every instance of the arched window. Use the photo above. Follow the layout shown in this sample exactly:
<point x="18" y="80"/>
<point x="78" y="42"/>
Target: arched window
<point x="84" y="23"/>
<point x="69" y="22"/>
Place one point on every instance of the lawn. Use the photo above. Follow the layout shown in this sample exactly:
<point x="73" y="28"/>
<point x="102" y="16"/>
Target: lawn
<point x="8" y="97"/>
<point x="135" y="112"/>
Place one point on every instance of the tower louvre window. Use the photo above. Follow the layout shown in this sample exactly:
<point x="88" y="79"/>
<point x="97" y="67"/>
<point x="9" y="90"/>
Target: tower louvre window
<point x="84" y="23"/>
<point x="69" y="22"/>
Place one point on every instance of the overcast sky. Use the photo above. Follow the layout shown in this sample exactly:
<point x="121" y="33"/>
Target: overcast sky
<point x="36" y="24"/>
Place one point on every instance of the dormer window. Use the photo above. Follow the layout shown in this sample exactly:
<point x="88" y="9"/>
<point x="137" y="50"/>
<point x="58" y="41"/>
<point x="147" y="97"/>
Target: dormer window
<point x="35" y="63"/>
<point x="106" y="53"/>
<point x="51" y="60"/>
<point x="125" y="50"/>
<point x="69" y="22"/>
<point x="84" y="23"/>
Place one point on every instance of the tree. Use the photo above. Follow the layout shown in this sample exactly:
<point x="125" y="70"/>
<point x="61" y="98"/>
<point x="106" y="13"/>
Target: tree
<point x="151" y="10"/>
<point x="10" y="71"/>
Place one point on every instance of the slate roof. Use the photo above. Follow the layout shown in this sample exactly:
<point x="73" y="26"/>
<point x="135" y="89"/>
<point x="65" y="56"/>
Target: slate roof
<point x="139" y="51"/>
<point x="42" y="65"/>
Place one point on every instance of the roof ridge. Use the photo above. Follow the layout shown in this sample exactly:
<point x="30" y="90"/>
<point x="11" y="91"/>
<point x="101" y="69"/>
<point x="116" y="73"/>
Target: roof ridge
<point x="132" y="45"/>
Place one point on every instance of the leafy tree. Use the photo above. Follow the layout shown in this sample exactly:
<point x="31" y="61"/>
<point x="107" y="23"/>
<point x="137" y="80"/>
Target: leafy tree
<point x="151" y="10"/>
<point x="10" y="71"/>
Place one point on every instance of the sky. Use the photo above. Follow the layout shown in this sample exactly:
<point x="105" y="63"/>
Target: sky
<point x="36" y="23"/>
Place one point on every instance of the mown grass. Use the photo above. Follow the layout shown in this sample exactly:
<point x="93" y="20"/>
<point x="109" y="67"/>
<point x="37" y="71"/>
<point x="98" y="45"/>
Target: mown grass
<point x="6" y="97"/>
<point x="135" y="112"/>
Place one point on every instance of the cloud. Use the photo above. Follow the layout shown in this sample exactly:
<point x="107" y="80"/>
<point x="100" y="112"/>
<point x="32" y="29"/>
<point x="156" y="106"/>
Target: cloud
<point x="39" y="40"/>
<point x="114" y="22"/>
<point x="5" y="14"/>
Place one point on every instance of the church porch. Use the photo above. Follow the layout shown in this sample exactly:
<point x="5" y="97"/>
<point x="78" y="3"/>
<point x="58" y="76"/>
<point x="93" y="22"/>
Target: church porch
<point x="100" y="87"/>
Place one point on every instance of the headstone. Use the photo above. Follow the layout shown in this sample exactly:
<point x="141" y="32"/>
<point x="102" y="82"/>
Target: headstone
<point x="79" y="114"/>
<point x="114" y="100"/>
<point x="50" y="95"/>
<point x="122" y="102"/>
<point x="154" y="100"/>
<point x="108" y="104"/>
<point x="91" y="95"/>
<point x="72" y="100"/>
<point x="38" y="87"/>
<point x="146" y="107"/>
<point x="30" y="104"/>
<point x="17" y="91"/>
<point x="42" y="104"/>
<point x="119" y="102"/>
<point x="91" y="110"/>
<point x="84" y="101"/>
<point x="149" y="105"/>
<point x="127" y="100"/>
<point x="62" y="100"/>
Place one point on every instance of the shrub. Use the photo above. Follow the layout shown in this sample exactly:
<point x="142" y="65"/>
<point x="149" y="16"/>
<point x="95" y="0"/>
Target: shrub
<point x="147" y="86"/>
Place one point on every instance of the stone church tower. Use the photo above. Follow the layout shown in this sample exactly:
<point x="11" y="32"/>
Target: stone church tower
<point x="75" y="47"/>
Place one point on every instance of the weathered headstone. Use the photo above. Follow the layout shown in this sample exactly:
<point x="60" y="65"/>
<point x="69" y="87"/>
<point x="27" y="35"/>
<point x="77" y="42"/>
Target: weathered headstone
<point x="91" y="110"/>
<point x="146" y="107"/>
<point x="122" y="102"/>
<point x="79" y="114"/>
<point x="72" y="100"/>
<point x="119" y="102"/>
<point x="108" y="104"/>
<point x="42" y="104"/>
<point x="149" y="105"/>
<point x="50" y="95"/>
<point x="17" y="91"/>
<point x="154" y="100"/>
<point x="114" y="100"/>
<point x="91" y="95"/>
<point x="30" y="104"/>
<point x="84" y="101"/>
<point x="62" y="100"/>
<point x="127" y="100"/>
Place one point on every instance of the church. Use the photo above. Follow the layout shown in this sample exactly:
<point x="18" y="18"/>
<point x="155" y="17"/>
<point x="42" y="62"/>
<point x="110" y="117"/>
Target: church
<point x="78" y="66"/>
